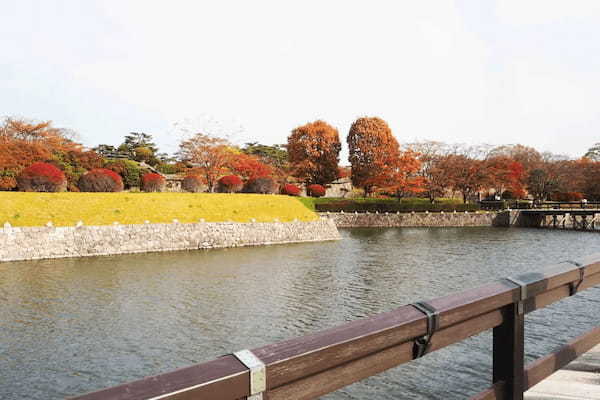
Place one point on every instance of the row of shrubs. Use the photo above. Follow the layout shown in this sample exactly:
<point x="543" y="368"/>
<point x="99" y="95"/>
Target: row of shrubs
<point x="391" y="207"/>
<point x="44" y="177"/>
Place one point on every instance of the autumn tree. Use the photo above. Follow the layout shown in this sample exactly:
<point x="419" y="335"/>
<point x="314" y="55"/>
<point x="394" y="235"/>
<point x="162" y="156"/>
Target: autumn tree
<point x="435" y="180"/>
<point x="541" y="182"/>
<point x="465" y="175"/>
<point x="504" y="173"/>
<point x="374" y="154"/>
<point x="250" y="167"/>
<point x="591" y="181"/>
<point x="529" y="157"/>
<point x="403" y="178"/>
<point x="208" y="155"/>
<point x="275" y="155"/>
<point x="313" y="151"/>
<point x="24" y="142"/>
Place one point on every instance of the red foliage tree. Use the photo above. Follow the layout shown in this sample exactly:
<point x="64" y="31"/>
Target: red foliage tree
<point x="192" y="183"/>
<point x="100" y="180"/>
<point x="315" y="190"/>
<point x="250" y="167"/>
<point x="290" y="190"/>
<point x="41" y="177"/>
<point x="152" y="182"/>
<point x="230" y="184"/>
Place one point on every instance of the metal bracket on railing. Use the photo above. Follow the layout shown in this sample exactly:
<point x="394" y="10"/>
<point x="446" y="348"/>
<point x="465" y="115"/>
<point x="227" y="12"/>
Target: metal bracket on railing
<point x="574" y="286"/>
<point x="523" y="295"/>
<point x="422" y="344"/>
<point x="258" y="376"/>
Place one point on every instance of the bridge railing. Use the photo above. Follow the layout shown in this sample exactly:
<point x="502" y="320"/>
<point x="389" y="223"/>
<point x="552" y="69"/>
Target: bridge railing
<point x="311" y="366"/>
<point x="568" y="205"/>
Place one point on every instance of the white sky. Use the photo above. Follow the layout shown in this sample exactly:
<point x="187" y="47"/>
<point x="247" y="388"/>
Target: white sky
<point x="522" y="71"/>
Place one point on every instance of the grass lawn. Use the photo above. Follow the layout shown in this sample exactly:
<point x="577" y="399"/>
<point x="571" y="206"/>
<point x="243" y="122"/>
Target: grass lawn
<point x="66" y="209"/>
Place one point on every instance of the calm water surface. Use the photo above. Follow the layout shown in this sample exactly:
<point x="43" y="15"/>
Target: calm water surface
<point x="72" y="326"/>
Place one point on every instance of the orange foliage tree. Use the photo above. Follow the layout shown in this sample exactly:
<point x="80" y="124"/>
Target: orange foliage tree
<point x="405" y="180"/>
<point x="374" y="154"/>
<point x="504" y="173"/>
<point x="314" y="152"/>
<point x="208" y="155"/>
<point x="464" y="174"/>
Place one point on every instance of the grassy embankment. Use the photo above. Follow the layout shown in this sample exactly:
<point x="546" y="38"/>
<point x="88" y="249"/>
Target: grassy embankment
<point x="66" y="209"/>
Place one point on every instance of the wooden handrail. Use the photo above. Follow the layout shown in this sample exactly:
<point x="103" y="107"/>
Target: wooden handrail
<point x="311" y="366"/>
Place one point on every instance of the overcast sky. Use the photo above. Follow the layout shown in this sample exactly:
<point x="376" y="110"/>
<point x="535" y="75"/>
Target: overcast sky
<point x="522" y="71"/>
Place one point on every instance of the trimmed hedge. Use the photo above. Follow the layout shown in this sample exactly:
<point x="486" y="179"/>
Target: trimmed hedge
<point x="261" y="186"/>
<point x="100" y="180"/>
<point x="192" y="183"/>
<point x="230" y="184"/>
<point x="42" y="177"/>
<point x="315" y="190"/>
<point x="290" y="190"/>
<point x="391" y="207"/>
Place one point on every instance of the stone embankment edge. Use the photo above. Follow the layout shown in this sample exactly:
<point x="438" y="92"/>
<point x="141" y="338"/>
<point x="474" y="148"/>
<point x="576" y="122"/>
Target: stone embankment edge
<point x="34" y="243"/>
<point x="420" y="219"/>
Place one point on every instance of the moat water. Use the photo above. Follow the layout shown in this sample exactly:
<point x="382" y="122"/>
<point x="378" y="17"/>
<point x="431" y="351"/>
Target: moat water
<point x="72" y="326"/>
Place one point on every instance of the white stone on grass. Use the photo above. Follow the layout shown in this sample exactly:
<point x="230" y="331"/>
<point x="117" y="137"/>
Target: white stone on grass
<point x="49" y="224"/>
<point x="79" y="224"/>
<point x="7" y="225"/>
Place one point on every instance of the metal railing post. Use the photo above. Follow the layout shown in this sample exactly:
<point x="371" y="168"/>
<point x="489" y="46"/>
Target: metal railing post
<point x="509" y="351"/>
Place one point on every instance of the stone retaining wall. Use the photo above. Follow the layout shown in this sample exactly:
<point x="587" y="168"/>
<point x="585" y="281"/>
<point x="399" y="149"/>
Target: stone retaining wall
<point x="371" y="220"/>
<point x="58" y="242"/>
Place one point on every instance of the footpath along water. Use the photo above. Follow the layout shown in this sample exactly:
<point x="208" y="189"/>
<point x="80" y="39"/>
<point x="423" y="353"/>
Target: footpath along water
<point x="71" y="326"/>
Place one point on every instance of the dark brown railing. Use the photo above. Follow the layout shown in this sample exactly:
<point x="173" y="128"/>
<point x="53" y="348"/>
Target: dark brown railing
<point x="568" y="205"/>
<point x="311" y="366"/>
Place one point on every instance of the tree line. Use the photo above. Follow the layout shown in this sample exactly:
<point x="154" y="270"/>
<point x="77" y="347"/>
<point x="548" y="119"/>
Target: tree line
<point x="379" y="166"/>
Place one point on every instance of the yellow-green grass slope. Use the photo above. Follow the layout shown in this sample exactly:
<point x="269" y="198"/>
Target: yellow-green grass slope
<point x="66" y="209"/>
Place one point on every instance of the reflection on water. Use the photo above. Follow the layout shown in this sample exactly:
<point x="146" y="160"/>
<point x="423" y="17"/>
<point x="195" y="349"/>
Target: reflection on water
<point x="76" y="325"/>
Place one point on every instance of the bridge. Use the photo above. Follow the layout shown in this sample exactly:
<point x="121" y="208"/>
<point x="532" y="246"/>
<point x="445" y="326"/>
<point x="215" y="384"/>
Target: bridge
<point x="559" y="217"/>
<point x="311" y="366"/>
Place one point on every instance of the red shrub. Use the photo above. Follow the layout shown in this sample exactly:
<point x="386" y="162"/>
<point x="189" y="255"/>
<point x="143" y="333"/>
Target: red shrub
<point x="260" y="185"/>
<point x="152" y="182"/>
<point x="100" y="180"/>
<point x="290" y="190"/>
<point x="192" y="183"/>
<point x="230" y="184"/>
<point x="315" y="190"/>
<point x="41" y="177"/>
